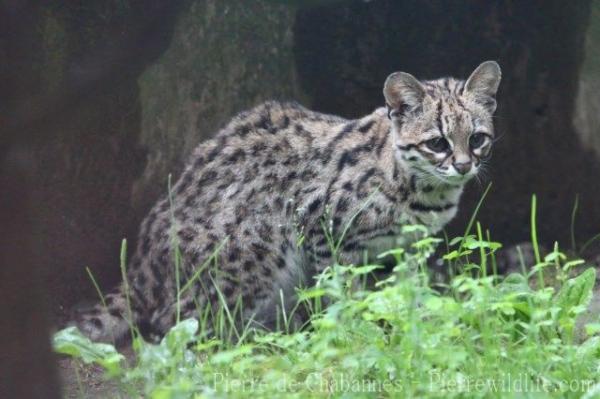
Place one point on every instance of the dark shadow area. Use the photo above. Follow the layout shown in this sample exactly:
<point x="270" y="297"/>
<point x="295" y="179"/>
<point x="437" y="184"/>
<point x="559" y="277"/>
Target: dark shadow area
<point x="72" y="102"/>
<point x="24" y="336"/>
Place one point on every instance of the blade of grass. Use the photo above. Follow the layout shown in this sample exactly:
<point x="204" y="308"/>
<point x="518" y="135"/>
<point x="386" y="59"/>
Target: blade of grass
<point x="482" y="255"/>
<point x="206" y="263"/>
<point x="573" y="217"/>
<point x="534" y="239"/>
<point x="224" y="307"/>
<point x="474" y="215"/>
<point x="102" y="299"/>
<point x="588" y="243"/>
<point x="354" y="216"/>
<point x="285" y="317"/>
<point x="123" y="267"/>
<point x="175" y="248"/>
<point x="493" y="255"/>
<point x="97" y="287"/>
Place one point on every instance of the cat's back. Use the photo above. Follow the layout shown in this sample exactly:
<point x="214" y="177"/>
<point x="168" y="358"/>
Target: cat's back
<point x="250" y="169"/>
<point x="269" y="146"/>
<point x="270" y="123"/>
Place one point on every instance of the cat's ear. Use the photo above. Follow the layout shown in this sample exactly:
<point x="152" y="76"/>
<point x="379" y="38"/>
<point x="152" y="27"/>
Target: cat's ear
<point x="484" y="82"/>
<point x="403" y="92"/>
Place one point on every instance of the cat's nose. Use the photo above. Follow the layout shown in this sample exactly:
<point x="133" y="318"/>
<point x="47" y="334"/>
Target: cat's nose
<point x="463" y="167"/>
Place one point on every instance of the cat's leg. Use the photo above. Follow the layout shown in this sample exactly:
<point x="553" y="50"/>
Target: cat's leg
<point x="110" y="321"/>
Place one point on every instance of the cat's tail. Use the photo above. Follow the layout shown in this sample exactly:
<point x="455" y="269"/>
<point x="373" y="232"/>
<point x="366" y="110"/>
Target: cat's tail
<point x="109" y="321"/>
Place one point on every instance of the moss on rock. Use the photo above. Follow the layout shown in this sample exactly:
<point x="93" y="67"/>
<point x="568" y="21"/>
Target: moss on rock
<point x="587" y="103"/>
<point x="224" y="57"/>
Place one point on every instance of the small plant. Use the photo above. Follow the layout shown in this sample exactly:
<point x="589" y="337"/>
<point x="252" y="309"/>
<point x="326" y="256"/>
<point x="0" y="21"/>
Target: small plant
<point x="479" y="335"/>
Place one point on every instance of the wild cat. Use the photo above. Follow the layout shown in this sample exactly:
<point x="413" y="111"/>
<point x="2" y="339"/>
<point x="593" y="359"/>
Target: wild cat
<point x="268" y="177"/>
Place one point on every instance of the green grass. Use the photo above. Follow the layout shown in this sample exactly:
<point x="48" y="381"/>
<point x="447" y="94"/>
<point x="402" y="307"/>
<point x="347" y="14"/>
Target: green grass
<point x="477" y="335"/>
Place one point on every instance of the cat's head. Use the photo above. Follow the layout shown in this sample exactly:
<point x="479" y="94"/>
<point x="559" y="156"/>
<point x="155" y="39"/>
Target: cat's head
<point x="443" y="128"/>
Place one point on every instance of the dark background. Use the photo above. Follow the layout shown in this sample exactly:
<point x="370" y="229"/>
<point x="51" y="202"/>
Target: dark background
<point x="101" y="100"/>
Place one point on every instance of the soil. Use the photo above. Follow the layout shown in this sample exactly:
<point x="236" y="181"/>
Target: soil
<point x="87" y="381"/>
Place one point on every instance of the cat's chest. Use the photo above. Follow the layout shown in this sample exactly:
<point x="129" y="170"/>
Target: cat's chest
<point x="433" y="208"/>
<point x="392" y="238"/>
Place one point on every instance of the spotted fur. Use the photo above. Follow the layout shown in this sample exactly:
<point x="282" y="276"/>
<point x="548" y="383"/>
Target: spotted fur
<point x="255" y="196"/>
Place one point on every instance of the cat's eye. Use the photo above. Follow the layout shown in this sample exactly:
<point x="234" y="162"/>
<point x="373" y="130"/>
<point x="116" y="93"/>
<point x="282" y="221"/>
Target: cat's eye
<point x="438" y="144"/>
<point x="477" y="140"/>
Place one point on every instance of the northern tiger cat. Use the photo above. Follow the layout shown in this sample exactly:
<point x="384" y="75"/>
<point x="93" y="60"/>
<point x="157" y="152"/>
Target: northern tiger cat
<point x="271" y="174"/>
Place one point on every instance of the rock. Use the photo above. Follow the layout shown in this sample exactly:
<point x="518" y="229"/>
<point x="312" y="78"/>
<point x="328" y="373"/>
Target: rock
<point x="587" y="106"/>
<point x="224" y="57"/>
<point x="517" y="258"/>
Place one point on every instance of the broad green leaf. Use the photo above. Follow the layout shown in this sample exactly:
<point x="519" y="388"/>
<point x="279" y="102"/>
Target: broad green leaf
<point x="427" y="242"/>
<point x="70" y="341"/>
<point x="415" y="228"/>
<point x="311" y="293"/>
<point x="472" y="243"/>
<point x="394" y="252"/>
<point x="573" y="263"/>
<point x="359" y="270"/>
<point x="181" y="334"/>
<point x="455" y="241"/>
<point x="228" y="355"/>
<point x="455" y="254"/>
<point x="554" y="256"/>
<point x="434" y="303"/>
<point x="590" y="347"/>
<point x="576" y="291"/>
<point x="592" y="328"/>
